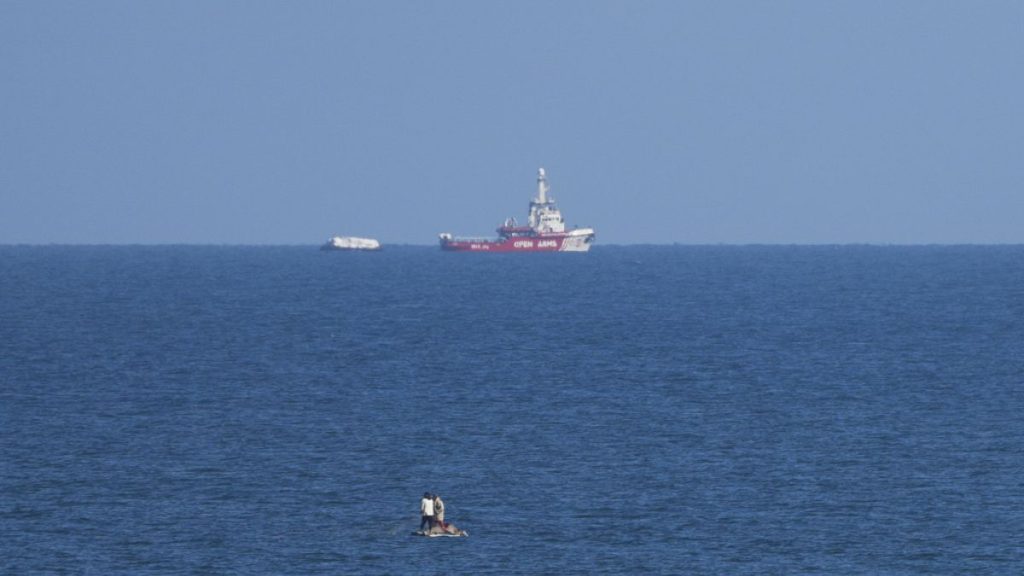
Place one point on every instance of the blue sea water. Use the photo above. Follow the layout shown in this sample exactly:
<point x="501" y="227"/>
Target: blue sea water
<point x="643" y="410"/>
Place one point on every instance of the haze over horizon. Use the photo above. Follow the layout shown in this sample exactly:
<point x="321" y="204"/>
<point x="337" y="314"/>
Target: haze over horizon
<point x="658" y="123"/>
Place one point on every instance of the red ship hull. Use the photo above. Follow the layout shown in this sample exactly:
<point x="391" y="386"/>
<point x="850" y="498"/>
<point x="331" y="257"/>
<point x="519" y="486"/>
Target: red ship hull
<point x="532" y="244"/>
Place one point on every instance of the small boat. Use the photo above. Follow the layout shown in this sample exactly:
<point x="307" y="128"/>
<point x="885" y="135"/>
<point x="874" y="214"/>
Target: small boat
<point x="351" y="243"/>
<point x="437" y="531"/>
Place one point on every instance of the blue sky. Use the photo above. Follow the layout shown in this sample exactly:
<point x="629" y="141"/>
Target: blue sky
<point x="658" y="122"/>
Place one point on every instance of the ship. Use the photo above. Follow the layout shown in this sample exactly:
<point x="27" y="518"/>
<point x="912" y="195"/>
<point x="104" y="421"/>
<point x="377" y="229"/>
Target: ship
<point x="544" y="231"/>
<point x="351" y="243"/>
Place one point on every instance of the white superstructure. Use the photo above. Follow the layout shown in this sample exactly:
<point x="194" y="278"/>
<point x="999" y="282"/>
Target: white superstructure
<point x="545" y="217"/>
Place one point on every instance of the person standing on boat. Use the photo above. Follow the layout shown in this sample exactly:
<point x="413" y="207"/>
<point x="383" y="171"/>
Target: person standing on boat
<point x="439" y="511"/>
<point x="427" y="511"/>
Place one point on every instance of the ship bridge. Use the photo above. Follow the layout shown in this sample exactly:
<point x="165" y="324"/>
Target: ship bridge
<point x="545" y="217"/>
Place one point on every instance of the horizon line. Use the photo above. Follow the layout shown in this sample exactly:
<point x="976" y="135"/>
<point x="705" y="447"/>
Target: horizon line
<point x="434" y="245"/>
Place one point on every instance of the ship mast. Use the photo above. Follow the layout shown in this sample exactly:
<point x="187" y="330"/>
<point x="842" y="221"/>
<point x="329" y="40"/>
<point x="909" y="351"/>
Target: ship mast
<point x="542" y="187"/>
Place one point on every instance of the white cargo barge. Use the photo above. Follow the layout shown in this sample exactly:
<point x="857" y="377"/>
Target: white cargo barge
<point x="351" y="243"/>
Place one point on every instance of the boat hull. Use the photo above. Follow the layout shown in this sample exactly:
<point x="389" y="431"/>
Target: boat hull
<point x="351" y="243"/>
<point x="574" y="241"/>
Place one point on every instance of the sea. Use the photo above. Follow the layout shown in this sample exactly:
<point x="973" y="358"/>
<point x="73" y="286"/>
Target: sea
<point x="633" y="410"/>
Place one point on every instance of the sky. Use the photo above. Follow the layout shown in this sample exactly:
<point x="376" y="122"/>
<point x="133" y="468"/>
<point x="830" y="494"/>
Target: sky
<point x="251" y="122"/>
